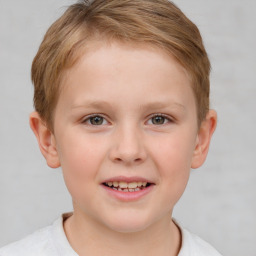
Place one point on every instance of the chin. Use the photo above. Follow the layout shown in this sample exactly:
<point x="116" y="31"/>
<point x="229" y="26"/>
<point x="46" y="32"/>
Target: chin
<point x="128" y="224"/>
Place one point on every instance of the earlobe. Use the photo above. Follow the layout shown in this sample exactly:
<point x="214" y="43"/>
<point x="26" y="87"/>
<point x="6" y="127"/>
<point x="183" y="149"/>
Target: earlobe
<point x="45" y="139"/>
<point x="204" y="135"/>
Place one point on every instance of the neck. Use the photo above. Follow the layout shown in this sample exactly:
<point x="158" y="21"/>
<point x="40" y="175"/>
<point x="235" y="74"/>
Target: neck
<point x="88" y="237"/>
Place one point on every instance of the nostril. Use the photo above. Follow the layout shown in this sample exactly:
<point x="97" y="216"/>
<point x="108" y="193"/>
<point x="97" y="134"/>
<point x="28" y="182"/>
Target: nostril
<point x="136" y="160"/>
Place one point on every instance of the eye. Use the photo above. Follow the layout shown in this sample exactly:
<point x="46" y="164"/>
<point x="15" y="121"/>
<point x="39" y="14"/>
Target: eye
<point x="95" y="120"/>
<point x="159" y="120"/>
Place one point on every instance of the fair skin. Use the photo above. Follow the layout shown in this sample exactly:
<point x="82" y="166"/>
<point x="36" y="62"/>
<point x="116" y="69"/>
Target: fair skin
<point x="126" y="114"/>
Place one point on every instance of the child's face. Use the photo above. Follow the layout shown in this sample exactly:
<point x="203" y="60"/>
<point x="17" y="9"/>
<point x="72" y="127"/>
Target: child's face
<point x="126" y="114"/>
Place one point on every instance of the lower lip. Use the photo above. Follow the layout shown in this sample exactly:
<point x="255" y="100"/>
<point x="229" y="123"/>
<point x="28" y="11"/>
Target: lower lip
<point x="128" y="196"/>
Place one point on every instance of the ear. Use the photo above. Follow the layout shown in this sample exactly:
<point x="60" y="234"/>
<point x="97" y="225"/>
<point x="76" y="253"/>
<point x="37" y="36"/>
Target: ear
<point x="204" y="135"/>
<point x="45" y="139"/>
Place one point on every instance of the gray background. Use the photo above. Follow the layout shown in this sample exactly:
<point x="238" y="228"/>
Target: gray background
<point x="219" y="203"/>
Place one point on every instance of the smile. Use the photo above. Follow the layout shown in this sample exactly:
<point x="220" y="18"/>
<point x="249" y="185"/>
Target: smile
<point x="128" y="189"/>
<point x="127" y="186"/>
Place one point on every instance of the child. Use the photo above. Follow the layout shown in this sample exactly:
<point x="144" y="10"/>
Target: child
<point x="122" y="105"/>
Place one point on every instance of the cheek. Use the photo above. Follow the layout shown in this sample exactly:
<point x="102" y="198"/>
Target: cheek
<point x="173" y="158"/>
<point x="174" y="152"/>
<point x="80" y="162"/>
<point x="175" y="171"/>
<point x="79" y="153"/>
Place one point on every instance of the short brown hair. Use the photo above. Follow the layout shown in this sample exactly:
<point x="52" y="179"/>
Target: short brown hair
<point x="157" y="22"/>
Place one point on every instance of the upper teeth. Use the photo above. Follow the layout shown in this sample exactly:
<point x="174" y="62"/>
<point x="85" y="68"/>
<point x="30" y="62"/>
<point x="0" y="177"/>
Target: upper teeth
<point x="123" y="184"/>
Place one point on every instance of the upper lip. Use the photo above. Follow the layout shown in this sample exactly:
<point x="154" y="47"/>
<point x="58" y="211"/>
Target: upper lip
<point x="127" y="179"/>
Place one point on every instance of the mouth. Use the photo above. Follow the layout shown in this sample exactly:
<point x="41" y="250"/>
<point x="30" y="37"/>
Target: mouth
<point x="123" y="186"/>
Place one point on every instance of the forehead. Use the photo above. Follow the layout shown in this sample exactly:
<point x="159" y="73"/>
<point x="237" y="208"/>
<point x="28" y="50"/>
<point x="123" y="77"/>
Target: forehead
<point x="118" y="68"/>
<point x="99" y="53"/>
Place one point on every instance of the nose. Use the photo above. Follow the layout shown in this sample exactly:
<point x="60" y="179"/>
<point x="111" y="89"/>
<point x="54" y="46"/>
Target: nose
<point x="128" y="146"/>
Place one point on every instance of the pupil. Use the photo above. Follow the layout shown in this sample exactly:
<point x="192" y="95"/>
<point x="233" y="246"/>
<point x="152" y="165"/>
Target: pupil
<point x="158" y="120"/>
<point x="96" y="120"/>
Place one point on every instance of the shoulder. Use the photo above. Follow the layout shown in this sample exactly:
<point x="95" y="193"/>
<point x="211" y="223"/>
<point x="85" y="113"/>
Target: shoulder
<point x="49" y="241"/>
<point x="192" y="245"/>
<point x="35" y="244"/>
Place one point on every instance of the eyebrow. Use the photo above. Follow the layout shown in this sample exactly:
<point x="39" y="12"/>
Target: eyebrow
<point x="92" y="103"/>
<point x="150" y="105"/>
<point x="162" y="104"/>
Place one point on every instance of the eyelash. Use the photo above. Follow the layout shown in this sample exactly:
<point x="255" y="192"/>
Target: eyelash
<point x="166" y="118"/>
<point x="88" y="119"/>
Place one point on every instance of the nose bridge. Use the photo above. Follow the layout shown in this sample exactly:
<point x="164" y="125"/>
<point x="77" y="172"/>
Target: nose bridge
<point x="128" y="144"/>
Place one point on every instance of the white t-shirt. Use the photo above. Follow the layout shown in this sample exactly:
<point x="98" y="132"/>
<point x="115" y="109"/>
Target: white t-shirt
<point x="52" y="241"/>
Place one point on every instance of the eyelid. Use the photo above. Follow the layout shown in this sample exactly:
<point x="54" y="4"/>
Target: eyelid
<point x="87" y="118"/>
<point x="167" y="117"/>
